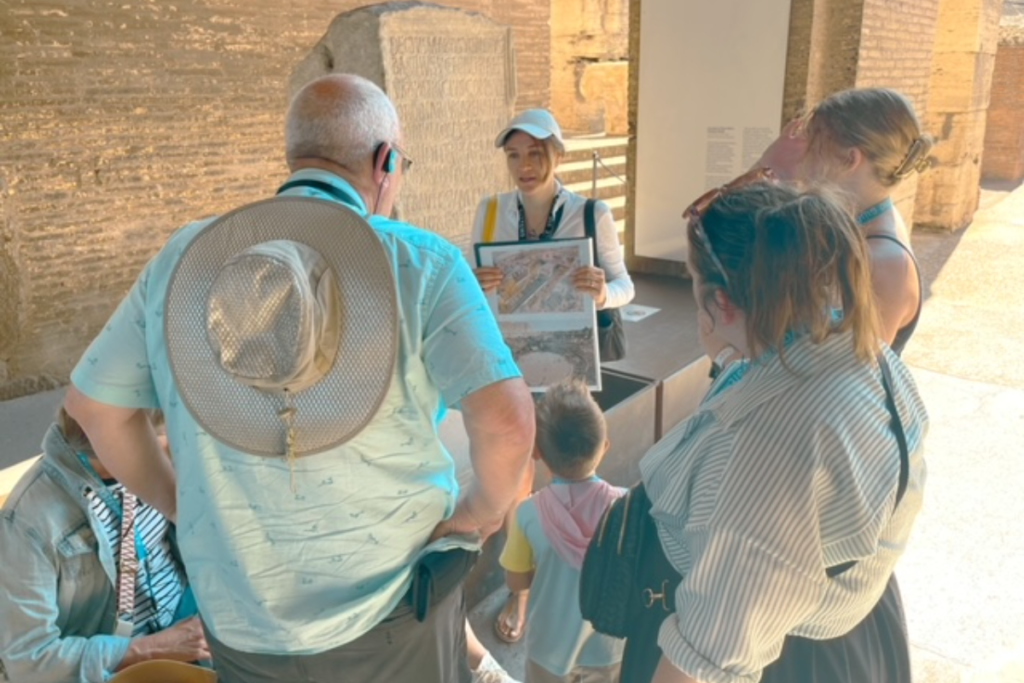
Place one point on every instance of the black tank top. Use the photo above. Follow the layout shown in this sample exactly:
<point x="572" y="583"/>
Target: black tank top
<point x="904" y="333"/>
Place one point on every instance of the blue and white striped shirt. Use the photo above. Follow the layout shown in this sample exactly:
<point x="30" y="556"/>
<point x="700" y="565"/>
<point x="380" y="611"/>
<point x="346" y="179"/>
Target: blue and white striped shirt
<point x="159" y="582"/>
<point x="787" y="472"/>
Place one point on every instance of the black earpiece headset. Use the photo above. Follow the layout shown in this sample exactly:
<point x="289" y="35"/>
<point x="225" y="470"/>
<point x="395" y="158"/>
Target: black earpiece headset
<point x="390" y="160"/>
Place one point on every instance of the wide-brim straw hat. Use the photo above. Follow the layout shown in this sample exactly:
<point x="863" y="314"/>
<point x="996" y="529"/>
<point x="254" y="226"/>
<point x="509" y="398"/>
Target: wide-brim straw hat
<point x="164" y="671"/>
<point x="240" y="306"/>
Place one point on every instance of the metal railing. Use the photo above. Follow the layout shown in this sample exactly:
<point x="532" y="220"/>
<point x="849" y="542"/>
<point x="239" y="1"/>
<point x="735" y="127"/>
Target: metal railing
<point x="599" y="162"/>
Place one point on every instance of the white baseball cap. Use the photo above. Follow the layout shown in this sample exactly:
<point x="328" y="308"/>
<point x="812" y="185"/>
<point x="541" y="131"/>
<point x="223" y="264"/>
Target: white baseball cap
<point x="537" y="123"/>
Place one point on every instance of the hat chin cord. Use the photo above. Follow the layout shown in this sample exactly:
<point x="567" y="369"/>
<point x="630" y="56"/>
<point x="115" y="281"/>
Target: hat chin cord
<point x="287" y="415"/>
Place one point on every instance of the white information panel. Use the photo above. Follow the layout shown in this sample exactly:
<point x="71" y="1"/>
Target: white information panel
<point x="711" y="86"/>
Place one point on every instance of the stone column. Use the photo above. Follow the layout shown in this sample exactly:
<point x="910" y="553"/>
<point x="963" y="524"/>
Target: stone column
<point x="451" y="75"/>
<point x="961" y="81"/>
<point x="824" y="45"/>
<point x="589" y="69"/>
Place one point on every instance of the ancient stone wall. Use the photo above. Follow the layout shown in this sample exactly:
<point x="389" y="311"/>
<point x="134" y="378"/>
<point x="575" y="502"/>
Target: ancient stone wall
<point x="451" y="76"/>
<point x="1004" y="130"/>
<point x="119" y="122"/>
<point x="964" y="56"/>
<point x="589" y="65"/>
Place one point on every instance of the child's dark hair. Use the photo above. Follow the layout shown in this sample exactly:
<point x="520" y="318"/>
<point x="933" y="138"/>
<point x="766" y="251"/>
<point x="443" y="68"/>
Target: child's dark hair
<point x="790" y="259"/>
<point x="570" y="430"/>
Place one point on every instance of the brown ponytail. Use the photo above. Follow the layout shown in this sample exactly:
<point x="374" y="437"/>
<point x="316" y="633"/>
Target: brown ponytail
<point x="790" y="259"/>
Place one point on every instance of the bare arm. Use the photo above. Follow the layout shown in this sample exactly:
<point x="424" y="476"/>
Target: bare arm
<point x="895" y="286"/>
<point x="500" y="426"/>
<point x="124" y="441"/>
<point x="518" y="581"/>
<point x="666" y="673"/>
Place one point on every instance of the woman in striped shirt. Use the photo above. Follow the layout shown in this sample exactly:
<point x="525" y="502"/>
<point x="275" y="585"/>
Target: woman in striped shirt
<point x="779" y="500"/>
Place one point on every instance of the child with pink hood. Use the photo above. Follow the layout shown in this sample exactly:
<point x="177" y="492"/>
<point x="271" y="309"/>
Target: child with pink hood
<point x="549" y="536"/>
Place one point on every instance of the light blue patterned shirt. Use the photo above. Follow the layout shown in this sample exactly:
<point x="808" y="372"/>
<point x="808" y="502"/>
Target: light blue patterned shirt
<point x="280" y="572"/>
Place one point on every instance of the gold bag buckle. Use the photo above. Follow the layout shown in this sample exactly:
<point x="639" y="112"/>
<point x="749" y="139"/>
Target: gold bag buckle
<point x="650" y="597"/>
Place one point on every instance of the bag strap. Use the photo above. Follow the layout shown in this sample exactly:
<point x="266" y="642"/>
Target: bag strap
<point x="901" y="440"/>
<point x="590" y="227"/>
<point x="128" y="566"/>
<point x="490" y="219"/>
<point x="897" y="428"/>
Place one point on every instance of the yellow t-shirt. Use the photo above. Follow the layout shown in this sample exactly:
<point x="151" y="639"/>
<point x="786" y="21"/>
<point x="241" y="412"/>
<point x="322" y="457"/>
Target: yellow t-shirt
<point x="518" y="554"/>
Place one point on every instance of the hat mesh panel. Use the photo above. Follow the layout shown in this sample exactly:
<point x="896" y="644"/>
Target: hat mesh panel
<point x="341" y="404"/>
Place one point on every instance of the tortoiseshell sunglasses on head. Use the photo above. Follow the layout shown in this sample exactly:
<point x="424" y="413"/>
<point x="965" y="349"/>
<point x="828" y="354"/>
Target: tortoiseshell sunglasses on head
<point x="699" y="208"/>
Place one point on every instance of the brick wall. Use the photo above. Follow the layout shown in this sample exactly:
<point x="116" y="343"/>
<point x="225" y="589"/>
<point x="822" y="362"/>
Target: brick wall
<point x="120" y="121"/>
<point x="1004" y="130"/>
<point x="896" y="49"/>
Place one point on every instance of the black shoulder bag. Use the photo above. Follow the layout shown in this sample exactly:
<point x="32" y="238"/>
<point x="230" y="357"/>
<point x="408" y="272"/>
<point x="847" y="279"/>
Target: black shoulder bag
<point x="611" y="335"/>
<point x="628" y="586"/>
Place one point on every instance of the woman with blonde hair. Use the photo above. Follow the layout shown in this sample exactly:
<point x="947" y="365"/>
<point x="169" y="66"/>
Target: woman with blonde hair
<point x="787" y="498"/>
<point x="866" y="141"/>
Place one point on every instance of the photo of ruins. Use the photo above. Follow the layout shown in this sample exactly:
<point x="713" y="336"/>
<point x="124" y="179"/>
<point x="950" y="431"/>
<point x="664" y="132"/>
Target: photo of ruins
<point x="547" y="356"/>
<point x="539" y="280"/>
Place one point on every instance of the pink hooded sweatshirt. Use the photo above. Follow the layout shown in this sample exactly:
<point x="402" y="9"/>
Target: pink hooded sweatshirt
<point x="570" y="512"/>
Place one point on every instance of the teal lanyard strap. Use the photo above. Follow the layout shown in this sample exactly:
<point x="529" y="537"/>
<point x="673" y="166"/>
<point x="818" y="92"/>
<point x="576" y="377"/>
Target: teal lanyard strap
<point x="873" y="212"/>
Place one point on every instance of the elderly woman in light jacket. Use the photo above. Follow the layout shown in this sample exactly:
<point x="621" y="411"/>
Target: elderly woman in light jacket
<point x="58" y="588"/>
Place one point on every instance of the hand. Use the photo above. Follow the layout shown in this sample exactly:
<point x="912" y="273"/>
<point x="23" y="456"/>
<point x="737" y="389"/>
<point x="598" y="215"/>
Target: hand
<point x="590" y="281"/>
<point x="183" y="642"/>
<point x="468" y="519"/>
<point x="489" y="278"/>
<point x="784" y="155"/>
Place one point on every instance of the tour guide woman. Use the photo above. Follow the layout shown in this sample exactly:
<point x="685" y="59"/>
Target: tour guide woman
<point x="540" y="208"/>
<point x="779" y="501"/>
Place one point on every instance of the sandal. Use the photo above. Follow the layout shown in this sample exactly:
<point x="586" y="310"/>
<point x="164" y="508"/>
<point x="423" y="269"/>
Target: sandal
<point x="511" y="622"/>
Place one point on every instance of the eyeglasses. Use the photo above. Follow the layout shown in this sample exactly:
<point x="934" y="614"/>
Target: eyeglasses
<point x="696" y="211"/>
<point x="406" y="159"/>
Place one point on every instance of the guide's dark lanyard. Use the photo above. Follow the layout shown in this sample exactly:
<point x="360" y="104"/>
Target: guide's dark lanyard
<point x="554" y="218"/>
